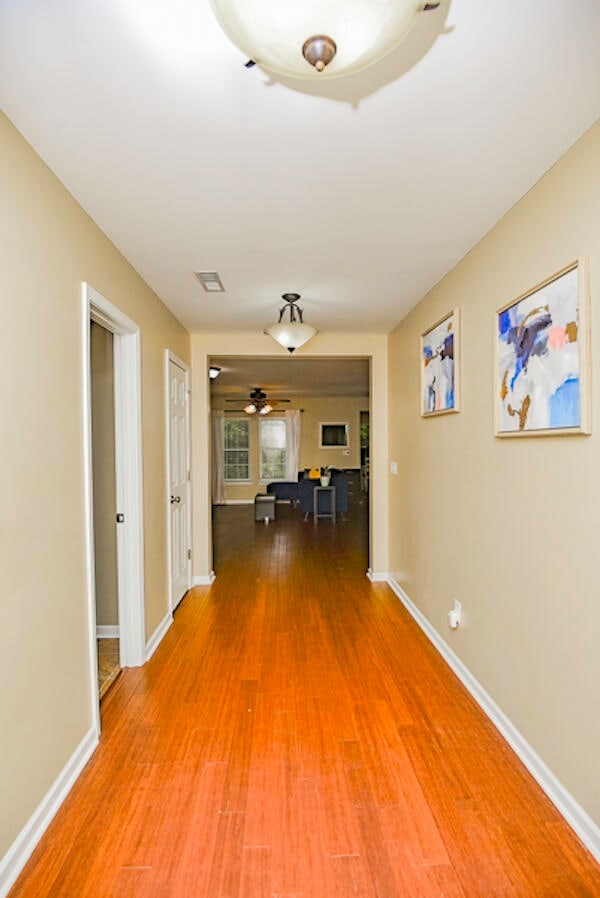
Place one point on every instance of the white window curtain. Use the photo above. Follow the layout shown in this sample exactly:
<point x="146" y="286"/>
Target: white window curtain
<point x="218" y="461"/>
<point x="293" y="430"/>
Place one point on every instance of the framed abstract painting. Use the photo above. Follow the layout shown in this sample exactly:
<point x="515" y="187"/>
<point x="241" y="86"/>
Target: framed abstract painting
<point x="542" y="346"/>
<point x="440" y="367"/>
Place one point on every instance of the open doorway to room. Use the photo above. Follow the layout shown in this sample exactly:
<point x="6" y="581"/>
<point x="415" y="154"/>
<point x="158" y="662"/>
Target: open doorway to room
<point x="287" y="458"/>
<point x="112" y="452"/>
<point x="365" y="445"/>
<point x="104" y="505"/>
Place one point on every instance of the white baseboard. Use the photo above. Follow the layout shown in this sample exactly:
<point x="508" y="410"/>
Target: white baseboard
<point x="204" y="579"/>
<point x="571" y="810"/>
<point x="377" y="576"/>
<point x="155" y="639"/>
<point x="239" y="502"/>
<point x="20" y="851"/>
<point x="107" y="631"/>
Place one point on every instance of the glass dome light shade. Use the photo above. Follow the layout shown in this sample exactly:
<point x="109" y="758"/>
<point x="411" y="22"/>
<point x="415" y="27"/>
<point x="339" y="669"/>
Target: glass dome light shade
<point x="273" y="32"/>
<point x="291" y="334"/>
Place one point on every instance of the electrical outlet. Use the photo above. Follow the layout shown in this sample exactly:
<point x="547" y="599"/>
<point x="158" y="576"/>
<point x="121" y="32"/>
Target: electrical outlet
<point x="393" y="467"/>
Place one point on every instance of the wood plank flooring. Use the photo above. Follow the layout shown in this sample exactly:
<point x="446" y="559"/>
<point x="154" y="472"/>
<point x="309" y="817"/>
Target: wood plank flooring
<point x="109" y="666"/>
<point x="296" y="736"/>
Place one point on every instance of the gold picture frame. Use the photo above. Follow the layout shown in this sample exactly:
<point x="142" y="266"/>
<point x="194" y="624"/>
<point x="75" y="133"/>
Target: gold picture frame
<point x="542" y="371"/>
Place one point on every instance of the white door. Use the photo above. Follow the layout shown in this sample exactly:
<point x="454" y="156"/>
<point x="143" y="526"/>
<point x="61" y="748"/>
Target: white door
<point x="179" y="460"/>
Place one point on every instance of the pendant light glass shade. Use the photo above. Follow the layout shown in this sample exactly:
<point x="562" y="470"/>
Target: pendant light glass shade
<point x="291" y="334"/>
<point x="317" y="38"/>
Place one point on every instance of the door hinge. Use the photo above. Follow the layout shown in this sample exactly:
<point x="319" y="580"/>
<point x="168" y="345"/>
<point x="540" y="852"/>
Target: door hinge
<point x="189" y="554"/>
<point x="189" y="475"/>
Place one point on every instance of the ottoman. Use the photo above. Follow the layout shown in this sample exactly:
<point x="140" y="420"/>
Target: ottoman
<point x="264" y="508"/>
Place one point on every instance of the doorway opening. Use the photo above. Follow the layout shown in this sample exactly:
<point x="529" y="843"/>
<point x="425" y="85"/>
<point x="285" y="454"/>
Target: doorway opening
<point x="116" y="341"/>
<point x="286" y="443"/>
<point x="365" y="444"/>
<point x="104" y="505"/>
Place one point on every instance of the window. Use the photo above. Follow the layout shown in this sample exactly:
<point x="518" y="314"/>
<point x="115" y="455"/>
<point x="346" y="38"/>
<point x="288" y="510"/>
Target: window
<point x="236" y="448"/>
<point x="272" y="449"/>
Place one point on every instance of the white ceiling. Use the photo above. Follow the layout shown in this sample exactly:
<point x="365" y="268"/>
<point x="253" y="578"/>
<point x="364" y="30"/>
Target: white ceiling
<point x="360" y="193"/>
<point x="291" y="376"/>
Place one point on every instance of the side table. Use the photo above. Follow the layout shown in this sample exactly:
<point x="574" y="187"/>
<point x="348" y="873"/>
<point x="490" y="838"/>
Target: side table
<point x="331" y="512"/>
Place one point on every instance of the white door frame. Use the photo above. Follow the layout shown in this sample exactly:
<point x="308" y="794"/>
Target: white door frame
<point x="128" y="465"/>
<point x="171" y="357"/>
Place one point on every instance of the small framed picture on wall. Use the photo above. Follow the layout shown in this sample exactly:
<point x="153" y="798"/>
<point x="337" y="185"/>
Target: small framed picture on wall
<point x="440" y="367"/>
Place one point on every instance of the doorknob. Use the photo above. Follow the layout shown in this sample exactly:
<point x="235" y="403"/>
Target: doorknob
<point x="175" y="499"/>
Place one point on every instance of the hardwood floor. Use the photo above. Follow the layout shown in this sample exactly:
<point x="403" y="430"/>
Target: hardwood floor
<point x="296" y="735"/>
<point x="109" y="667"/>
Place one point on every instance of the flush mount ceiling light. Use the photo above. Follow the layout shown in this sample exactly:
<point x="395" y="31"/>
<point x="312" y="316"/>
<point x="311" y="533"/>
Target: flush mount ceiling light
<point x="293" y="333"/>
<point x="318" y="38"/>
<point x="213" y="372"/>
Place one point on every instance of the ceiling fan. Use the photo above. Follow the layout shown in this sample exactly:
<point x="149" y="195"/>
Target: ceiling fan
<point x="258" y="402"/>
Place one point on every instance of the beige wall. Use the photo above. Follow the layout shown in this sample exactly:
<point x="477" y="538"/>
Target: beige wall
<point x="103" y="462"/>
<point x="340" y="410"/>
<point x="509" y="527"/>
<point x="48" y="246"/>
<point x="371" y="346"/>
<point x="315" y="410"/>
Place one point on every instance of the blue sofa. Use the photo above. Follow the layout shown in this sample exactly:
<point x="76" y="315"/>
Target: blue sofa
<point x="302" y="492"/>
<point x="284" y="490"/>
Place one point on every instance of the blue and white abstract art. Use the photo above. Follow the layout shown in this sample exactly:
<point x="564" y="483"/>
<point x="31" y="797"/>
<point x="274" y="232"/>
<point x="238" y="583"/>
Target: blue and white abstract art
<point x="539" y="359"/>
<point x="439" y="367"/>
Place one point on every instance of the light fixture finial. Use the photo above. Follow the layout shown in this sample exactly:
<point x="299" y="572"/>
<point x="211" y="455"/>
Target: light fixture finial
<point x="319" y="50"/>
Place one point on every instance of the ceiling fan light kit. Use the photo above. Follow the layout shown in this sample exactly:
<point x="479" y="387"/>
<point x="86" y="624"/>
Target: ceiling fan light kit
<point x="318" y="38"/>
<point x="293" y="333"/>
<point x="258" y="403"/>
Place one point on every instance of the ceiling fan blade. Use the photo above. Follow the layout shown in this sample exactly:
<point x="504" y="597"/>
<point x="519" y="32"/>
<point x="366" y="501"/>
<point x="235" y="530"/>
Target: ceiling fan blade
<point x="245" y="399"/>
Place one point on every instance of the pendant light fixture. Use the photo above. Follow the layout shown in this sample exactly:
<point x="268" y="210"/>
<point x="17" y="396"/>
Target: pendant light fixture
<point x="293" y="333"/>
<point x="317" y="38"/>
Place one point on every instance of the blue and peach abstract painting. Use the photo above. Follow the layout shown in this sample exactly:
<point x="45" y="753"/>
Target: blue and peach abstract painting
<point x="539" y="359"/>
<point x="439" y="351"/>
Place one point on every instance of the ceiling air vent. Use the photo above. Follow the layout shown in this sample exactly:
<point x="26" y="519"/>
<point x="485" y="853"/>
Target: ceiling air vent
<point x="211" y="281"/>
